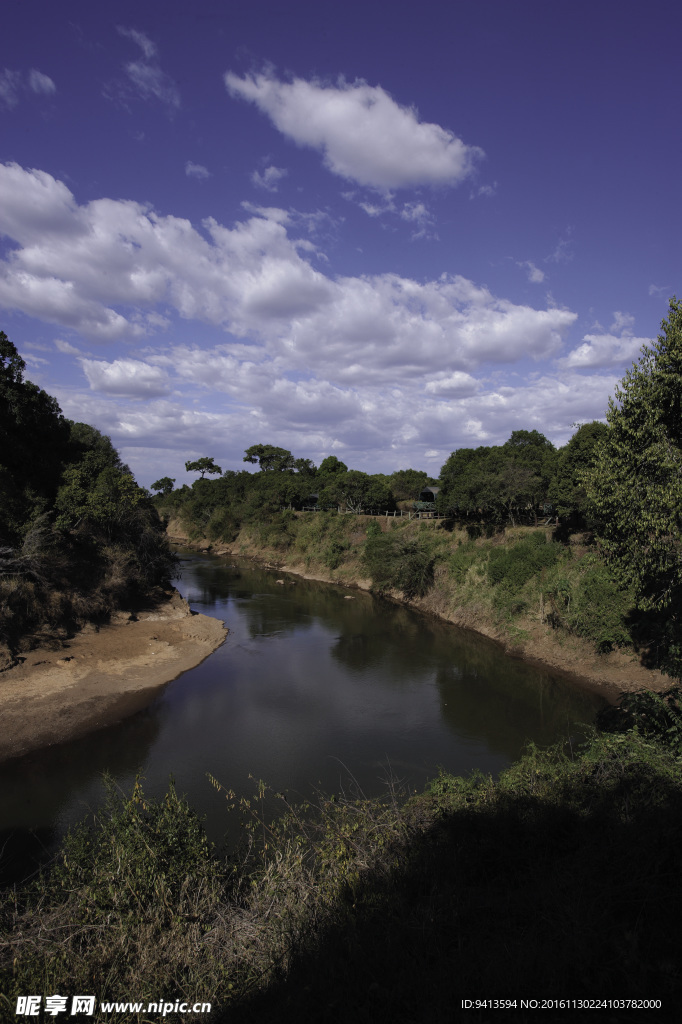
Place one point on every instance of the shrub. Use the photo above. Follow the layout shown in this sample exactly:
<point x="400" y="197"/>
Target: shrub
<point x="657" y="716"/>
<point x="395" y="563"/>
<point x="600" y="606"/>
<point x="513" y="567"/>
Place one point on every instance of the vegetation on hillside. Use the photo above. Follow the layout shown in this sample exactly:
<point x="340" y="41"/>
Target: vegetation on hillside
<point x="78" y="537"/>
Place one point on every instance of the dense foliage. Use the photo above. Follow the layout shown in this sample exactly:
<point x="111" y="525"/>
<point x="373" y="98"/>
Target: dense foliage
<point x="635" y="485"/>
<point x="78" y="537"/>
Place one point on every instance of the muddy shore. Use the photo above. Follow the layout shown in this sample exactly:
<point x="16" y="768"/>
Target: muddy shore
<point x="101" y="675"/>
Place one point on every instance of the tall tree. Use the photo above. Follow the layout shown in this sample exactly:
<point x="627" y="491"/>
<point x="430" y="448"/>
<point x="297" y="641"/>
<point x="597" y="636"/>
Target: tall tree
<point x="635" y="486"/>
<point x="269" y="458"/>
<point x="33" y="442"/>
<point x="566" y="491"/>
<point x="164" y="485"/>
<point x="203" y="466"/>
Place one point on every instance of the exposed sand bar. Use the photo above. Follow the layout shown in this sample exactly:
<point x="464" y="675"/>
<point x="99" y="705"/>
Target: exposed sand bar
<point x="100" y="677"/>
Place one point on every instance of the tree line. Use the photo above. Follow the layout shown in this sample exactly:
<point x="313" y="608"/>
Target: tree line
<point x="622" y="479"/>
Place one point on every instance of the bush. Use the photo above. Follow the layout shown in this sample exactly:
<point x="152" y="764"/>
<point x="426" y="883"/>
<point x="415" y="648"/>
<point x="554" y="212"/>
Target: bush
<point x="657" y="716"/>
<point x="462" y="559"/>
<point x="513" y="567"/>
<point x="394" y="563"/>
<point x="600" y="607"/>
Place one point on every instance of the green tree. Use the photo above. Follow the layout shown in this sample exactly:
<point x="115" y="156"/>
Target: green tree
<point x="635" y="485"/>
<point x="269" y="458"/>
<point x="203" y="466"/>
<point x="305" y="467"/>
<point x="407" y="484"/>
<point x="331" y="466"/>
<point x="566" y="491"/>
<point x="164" y="485"/>
<point x="33" y="445"/>
<point x="358" y="491"/>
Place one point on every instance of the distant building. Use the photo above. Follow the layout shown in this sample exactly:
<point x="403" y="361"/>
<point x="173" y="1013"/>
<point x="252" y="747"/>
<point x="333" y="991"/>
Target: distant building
<point x="428" y="493"/>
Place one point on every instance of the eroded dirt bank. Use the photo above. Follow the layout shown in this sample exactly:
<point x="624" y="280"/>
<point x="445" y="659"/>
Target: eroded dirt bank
<point x="611" y="674"/>
<point x="100" y="676"/>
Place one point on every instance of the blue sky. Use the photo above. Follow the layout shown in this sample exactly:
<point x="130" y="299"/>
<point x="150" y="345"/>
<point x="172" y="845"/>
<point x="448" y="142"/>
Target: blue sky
<point x="380" y="231"/>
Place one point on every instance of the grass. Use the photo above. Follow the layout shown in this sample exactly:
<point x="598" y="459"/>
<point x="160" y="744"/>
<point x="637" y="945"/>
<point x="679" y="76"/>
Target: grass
<point x="561" y="878"/>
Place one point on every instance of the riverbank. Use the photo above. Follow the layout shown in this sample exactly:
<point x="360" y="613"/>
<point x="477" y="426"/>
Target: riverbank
<point x="528" y="638"/>
<point x="101" y="676"/>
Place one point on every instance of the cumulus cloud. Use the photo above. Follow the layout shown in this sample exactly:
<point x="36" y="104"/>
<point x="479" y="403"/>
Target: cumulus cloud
<point x="130" y="377"/>
<point x="599" y="350"/>
<point x="196" y="171"/>
<point x="371" y="426"/>
<point x="367" y="365"/>
<point x="622" y="322"/>
<point x="270" y="178"/>
<point x="605" y="348"/>
<point x="103" y="267"/>
<point x="364" y="134"/>
<point x="453" y="385"/>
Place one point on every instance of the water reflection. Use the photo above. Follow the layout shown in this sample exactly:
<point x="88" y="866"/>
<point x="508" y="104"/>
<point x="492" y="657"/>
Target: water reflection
<point x="309" y="688"/>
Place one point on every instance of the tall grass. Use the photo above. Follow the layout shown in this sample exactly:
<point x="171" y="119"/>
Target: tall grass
<point x="560" y="879"/>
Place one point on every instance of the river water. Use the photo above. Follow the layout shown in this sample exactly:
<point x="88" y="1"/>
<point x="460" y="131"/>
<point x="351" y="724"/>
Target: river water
<point x="315" y="687"/>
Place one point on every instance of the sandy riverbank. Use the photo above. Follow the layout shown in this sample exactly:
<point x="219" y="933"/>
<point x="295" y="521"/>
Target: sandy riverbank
<point x="100" y="676"/>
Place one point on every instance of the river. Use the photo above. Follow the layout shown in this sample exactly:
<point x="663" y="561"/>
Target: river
<point x="316" y="687"/>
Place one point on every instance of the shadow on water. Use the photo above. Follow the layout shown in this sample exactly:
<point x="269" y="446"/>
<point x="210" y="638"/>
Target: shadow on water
<point x="309" y="689"/>
<point x="37" y="788"/>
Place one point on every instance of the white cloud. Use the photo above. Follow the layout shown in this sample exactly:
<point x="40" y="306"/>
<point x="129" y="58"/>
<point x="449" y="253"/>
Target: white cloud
<point x="376" y="209"/>
<point x="144" y="42"/>
<point x="604" y="350"/>
<point x="364" y="134"/>
<point x="66" y="348"/>
<point x="10" y="85"/>
<point x="41" y="83"/>
<point x="153" y="83"/>
<point x="563" y="251"/>
<point x="13" y="83"/>
<point x="420" y="216"/>
<point x="196" y="171"/>
<point x="368" y="425"/>
<point x="148" y="79"/>
<point x="321" y="357"/>
<point x="484" y="190"/>
<point x="454" y="385"/>
<point x="270" y="178"/>
<point x="106" y="267"/>
<point x="655" y="289"/>
<point x="130" y="377"/>
<point x="535" y="275"/>
<point x="622" y="322"/>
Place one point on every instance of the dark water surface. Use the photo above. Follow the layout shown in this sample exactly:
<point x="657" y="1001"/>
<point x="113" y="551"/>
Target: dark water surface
<point x="310" y="690"/>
